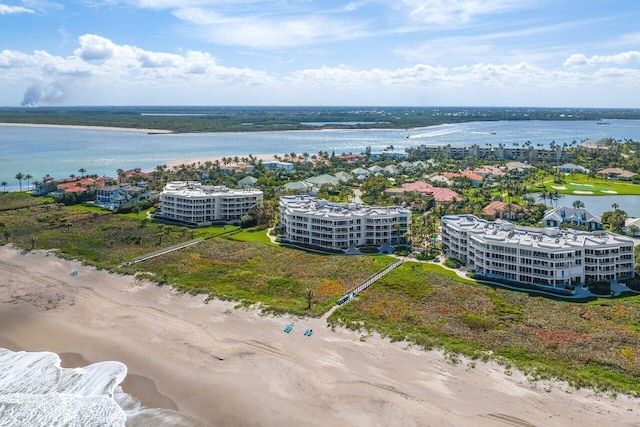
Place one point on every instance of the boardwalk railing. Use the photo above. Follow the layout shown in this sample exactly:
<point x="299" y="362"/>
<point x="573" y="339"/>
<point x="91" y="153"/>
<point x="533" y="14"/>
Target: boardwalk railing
<point x="164" y="251"/>
<point x="364" y="285"/>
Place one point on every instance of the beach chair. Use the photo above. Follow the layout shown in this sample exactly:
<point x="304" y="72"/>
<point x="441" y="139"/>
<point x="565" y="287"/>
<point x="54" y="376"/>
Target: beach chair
<point x="74" y="272"/>
<point x="288" y="328"/>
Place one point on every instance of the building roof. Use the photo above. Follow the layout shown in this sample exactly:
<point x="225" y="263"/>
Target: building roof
<point x="361" y="171"/>
<point x="632" y="221"/>
<point x="571" y="166"/>
<point x="496" y="207"/>
<point x="565" y="214"/>
<point x="544" y="238"/>
<point x="78" y="185"/>
<point x="617" y="172"/>
<point x="323" y="179"/>
<point x="518" y="166"/>
<point x="488" y="171"/>
<point x="343" y="176"/>
<point x="468" y="174"/>
<point x="195" y="189"/>
<point x="298" y="185"/>
<point x="321" y="208"/>
<point x="248" y="180"/>
<point x="439" y="194"/>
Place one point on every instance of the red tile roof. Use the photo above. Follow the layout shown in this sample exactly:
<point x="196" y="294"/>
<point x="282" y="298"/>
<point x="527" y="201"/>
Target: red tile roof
<point x="439" y="194"/>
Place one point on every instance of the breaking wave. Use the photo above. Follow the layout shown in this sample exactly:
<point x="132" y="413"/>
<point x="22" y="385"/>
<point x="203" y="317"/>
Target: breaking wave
<point x="35" y="391"/>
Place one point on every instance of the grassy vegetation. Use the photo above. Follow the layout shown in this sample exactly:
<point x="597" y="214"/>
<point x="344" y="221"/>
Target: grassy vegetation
<point x="597" y="186"/>
<point x="243" y="269"/>
<point x="592" y="344"/>
<point x="256" y="234"/>
<point x="243" y="119"/>
<point x="589" y="345"/>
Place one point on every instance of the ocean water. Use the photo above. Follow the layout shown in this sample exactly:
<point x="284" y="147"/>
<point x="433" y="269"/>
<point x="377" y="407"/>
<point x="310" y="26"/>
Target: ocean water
<point x="36" y="392"/>
<point x="63" y="151"/>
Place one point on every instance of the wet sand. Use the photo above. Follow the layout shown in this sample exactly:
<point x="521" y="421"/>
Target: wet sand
<point x="236" y="367"/>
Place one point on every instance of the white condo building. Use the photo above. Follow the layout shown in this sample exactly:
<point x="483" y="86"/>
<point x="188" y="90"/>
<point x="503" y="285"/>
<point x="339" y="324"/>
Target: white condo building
<point x="538" y="256"/>
<point x="196" y="204"/>
<point x="341" y="225"/>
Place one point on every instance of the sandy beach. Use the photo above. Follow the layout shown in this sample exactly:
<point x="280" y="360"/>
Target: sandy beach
<point x="38" y="125"/>
<point x="263" y="157"/>
<point x="236" y="367"/>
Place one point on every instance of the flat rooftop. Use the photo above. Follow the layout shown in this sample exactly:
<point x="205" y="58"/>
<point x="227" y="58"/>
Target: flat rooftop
<point x="547" y="238"/>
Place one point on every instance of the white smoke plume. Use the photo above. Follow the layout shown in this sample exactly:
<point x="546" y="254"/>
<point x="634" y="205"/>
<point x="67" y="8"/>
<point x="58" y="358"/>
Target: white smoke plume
<point x="52" y="93"/>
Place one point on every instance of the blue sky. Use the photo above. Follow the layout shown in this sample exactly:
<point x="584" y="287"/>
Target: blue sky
<point x="303" y="52"/>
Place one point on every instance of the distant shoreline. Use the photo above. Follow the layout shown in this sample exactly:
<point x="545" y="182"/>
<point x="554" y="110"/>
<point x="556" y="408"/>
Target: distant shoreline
<point x="121" y="129"/>
<point x="213" y="159"/>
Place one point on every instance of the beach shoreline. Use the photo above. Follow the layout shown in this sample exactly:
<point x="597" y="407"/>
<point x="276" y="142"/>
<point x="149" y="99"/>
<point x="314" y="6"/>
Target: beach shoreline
<point x="213" y="159"/>
<point x="234" y="366"/>
<point x="86" y="127"/>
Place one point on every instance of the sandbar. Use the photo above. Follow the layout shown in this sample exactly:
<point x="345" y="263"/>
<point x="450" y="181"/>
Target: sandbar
<point x="233" y="366"/>
<point x="42" y="125"/>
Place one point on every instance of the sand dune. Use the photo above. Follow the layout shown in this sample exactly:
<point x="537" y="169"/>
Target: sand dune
<point x="237" y="367"/>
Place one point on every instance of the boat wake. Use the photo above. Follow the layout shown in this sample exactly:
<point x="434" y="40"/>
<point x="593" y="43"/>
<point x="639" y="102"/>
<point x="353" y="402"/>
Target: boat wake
<point x="35" y="391"/>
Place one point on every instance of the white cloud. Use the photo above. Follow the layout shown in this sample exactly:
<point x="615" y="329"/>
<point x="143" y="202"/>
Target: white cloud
<point x="580" y="60"/>
<point x="268" y="33"/>
<point x="13" y="10"/>
<point x="123" y="70"/>
<point x="446" y="12"/>
<point x="177" y="4"/>
<point x="101" y="59"/>
<point x="94" y="47"/>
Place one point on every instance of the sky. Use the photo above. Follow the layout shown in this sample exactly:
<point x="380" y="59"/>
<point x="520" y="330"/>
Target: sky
<point x="538" y="53"/>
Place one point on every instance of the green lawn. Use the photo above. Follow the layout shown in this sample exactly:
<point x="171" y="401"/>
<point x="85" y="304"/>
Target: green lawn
<point x="581" y="184"/>
<point x="255" y="234"/>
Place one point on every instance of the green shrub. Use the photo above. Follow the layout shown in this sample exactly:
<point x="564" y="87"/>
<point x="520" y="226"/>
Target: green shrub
<point x="453" y="263"/>
<point x="403" y="250"/>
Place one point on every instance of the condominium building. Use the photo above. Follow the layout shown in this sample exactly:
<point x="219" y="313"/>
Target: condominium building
<point x="538" y="256"/>
<point x="196" y="204"/>
<point x="341" y="225"/>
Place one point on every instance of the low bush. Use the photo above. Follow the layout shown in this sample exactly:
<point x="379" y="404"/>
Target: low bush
<point x="403" y="250"/>
<point x="453" y="263"/>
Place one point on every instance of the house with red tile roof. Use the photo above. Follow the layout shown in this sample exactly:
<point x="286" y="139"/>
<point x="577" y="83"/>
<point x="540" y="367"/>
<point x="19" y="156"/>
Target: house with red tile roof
<point x="78" y="185"/>
<point x="474" y="177"/>
<point x="440" y="195"/>
<point x="502" y="210"/>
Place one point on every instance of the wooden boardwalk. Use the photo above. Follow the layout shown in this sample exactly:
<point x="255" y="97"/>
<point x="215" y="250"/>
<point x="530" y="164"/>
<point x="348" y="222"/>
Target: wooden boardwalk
<point x="164" y="251"/>
<point x="371" y="280"/>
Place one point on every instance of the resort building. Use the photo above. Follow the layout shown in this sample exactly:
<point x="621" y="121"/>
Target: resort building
<point x="545" y="257"/>
<point x="114" y="196"/>
<point x="522" y="153"/>
<point x="341" y="225"/>
<point x="195" y="204"/>
<point x="579" y="217"/>
<point x="275" y="164"/>
<point x="617" y="173"/>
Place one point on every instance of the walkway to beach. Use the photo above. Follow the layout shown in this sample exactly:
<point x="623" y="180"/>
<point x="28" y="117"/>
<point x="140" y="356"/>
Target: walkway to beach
<point x="164" y="251"/>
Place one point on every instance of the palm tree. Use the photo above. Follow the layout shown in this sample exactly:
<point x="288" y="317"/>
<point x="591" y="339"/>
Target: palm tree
<point x="28" y="177"/>
<point x="20" y="177"/>
<point x="615" y="206"/>
<point x="4" y="186"/>
<point x="577" y="204"/>
<point x="82" y="172"/>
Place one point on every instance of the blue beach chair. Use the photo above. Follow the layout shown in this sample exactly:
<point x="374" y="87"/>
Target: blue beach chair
<point x="288" y="328"/>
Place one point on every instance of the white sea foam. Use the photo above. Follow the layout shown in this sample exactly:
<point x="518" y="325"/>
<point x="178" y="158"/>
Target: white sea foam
<point x="36" y="392"/>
